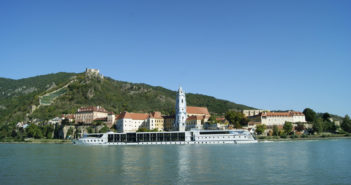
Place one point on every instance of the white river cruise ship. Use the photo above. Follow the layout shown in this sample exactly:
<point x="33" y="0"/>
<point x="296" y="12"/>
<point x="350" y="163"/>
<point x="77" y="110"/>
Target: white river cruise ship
<point x="173" y="137"/>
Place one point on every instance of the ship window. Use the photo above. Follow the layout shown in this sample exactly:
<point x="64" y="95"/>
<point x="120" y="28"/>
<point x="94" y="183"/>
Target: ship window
<point x="174" y="137"/>
<point x="167" y="136"/>
<point x="153" y="137"/>
<point x="182" y="136"/>
<point x="160" y="136"/>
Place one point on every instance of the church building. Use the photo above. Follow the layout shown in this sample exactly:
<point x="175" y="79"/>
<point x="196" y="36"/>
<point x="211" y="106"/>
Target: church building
<point x="181" y="116"/>
<point x="186" y="117"/>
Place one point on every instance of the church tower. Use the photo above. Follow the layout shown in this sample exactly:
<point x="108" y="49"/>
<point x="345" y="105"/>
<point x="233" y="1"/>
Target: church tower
<point x="180" y="111"/>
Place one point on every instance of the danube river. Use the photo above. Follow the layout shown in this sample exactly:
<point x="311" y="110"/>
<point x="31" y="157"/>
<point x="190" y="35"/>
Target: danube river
<point x="297" y="162"/>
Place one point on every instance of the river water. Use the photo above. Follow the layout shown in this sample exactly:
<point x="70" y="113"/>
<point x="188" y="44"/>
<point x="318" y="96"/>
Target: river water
<point x="296" y="162"/>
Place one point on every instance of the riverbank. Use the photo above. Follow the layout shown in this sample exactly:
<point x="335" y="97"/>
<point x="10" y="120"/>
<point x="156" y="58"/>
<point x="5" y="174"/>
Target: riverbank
<point x="304" y="137"/>
<point x="39" y="141"/>
<point x="259" y="138"/>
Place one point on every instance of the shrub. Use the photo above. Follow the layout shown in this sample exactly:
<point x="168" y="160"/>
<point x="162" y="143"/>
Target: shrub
<point x="260" y="128"/>
<point x="294" y="136"/>
<point x="283" y="135"/>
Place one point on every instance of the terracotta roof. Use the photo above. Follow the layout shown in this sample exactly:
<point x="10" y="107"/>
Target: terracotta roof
<point x="92" y="109"/>
<point x="197" y="110"/>
<point x="156" y="115"/>
<point x="286" y="114"/>
<point x="135" y="116"/>
<point x="195" y="118"/>
<point x="68" y="116"/>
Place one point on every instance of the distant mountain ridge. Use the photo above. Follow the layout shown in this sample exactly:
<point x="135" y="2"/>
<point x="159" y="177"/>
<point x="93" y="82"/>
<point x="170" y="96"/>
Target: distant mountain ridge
<point x="65" y="92"/>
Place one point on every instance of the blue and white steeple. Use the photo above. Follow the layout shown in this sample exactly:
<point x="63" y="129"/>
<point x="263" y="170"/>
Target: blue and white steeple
<point x="180" y="111"/>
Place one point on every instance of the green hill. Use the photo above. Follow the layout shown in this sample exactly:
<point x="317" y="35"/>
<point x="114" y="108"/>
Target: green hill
<point x="17" y="97"/>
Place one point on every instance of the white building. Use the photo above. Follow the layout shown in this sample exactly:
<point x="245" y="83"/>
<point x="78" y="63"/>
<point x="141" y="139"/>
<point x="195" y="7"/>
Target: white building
<point x="279" y="118"/>
<point x="54" y="121"/>
<point x="131" y="122"/>
<point x="93" y="73"/>
<point x="181" y="116"/>
<point x="249" y="113"/>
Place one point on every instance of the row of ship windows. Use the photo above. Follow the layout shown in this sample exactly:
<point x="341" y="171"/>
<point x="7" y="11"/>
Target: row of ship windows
<point x="138" y="126"/>
<point x="214" y="137"/>
<point x="92" y="141"/>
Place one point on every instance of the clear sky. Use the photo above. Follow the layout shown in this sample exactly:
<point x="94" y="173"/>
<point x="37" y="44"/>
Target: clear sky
<point x="271" y="55"/>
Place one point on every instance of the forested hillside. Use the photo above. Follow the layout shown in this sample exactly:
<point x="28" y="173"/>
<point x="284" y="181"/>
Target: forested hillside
<point x="18" y="97"/>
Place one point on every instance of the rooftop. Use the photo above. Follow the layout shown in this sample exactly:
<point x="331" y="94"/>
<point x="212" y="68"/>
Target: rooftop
<point x="92" y="109"/>
<point x="286" y="114"/>
<point x="197" y="110"/>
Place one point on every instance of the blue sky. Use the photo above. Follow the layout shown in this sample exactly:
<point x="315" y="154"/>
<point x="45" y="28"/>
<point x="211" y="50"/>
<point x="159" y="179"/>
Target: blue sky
<point x="266" y="54"/>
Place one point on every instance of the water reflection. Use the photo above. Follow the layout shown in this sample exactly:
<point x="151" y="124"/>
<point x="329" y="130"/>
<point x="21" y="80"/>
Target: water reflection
<point x="320" y="162"/>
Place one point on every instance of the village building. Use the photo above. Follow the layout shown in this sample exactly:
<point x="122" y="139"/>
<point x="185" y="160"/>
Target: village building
<point x="55" y="121"/>
<point x="250" y="113"/>
<point x="196" y="118"/>
<point x="222" y="120"/>
<point x="201" y="113"/>
<point x="156" y="121"/>
<point x="131" y="122"/>
<point x="68" y="118"/>
<point x="279" y="118"/>
<point x="86" y="115"/>
<point x="168" y="122"/>
<point x="111" y="118"/>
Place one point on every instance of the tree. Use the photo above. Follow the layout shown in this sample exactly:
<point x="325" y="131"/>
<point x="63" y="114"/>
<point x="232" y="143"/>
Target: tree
<point x="77" y="134"/>
<point x="260" y="128"/>
<point x="104" y="129"/>
<point x="275" y="130"/>
<point x="346" y="124"/>
<point x="237" y="119"/>
<point x="142" y="129"/>
<point x="300" y="127"/>
<point x="34" y="131"/>
<point x="318" y="125"/>
<point x="69" y="132"/>
<point x="310" y="115"/>
<point x="287" y="127"/>
<point x="47" y="131"/>
<point x="98" y="122"/>
<point x="90" y="130"/>
<point x="212" y="119"/>
<point x="4" y="131"/>
<point x="329" y="126"/>
<point x="326" y="117"/>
